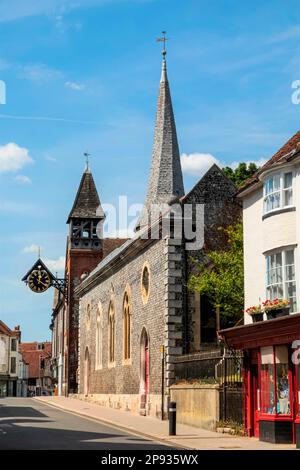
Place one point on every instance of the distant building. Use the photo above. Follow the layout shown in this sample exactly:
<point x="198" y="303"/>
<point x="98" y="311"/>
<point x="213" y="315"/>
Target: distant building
<point x="13" y="368"/>
<point x="38" y="357"/>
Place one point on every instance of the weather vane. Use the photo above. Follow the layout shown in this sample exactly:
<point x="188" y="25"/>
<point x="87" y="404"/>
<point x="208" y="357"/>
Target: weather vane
<point x="87" y="155"/>
<point x="163" y="39"/>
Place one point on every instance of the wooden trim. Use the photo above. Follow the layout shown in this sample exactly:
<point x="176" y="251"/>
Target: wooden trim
<point x="266" y="333"/>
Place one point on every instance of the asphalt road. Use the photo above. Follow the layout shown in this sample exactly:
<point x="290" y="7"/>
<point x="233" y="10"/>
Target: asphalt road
<point x="28" y="424"/>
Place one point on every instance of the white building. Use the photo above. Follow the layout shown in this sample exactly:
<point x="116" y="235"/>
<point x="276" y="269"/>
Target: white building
<point x="13" y="370"/>
<point x="271" y="216"/>
<point x="270" y="339"/>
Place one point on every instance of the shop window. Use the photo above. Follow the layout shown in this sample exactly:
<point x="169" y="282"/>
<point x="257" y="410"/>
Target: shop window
<point x="274" y="381"/>
<point x="267" y="382"/>
<point x="282" y="380"/>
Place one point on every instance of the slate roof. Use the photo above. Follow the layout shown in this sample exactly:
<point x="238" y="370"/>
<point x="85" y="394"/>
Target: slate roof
<point x="87" y="202"/>
<point x="165" y="180"/>
<point x="283" y="155"/>
<point x="110" y="244"/>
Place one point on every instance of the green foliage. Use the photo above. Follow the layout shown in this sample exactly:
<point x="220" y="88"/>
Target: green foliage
<point x="221" y="279"/>
<point x="241" y="173"/>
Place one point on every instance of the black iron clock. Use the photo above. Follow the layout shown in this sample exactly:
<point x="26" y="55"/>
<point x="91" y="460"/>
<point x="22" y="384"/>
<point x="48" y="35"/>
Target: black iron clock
<point x="39" y="280"/>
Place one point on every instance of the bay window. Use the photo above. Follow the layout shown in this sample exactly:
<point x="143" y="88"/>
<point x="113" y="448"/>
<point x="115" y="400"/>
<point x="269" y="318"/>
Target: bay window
<point x="281" y="278"/>
<point x="278" y="192"/>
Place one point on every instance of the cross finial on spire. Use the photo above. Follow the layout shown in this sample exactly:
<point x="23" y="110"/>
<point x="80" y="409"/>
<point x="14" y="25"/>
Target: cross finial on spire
<point x="39" y="251"/>
<point x="87" y="155"/>
<point x="163" y="39"/>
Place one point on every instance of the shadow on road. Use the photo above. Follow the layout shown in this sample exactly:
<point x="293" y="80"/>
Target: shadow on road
<point x="24" y="427"/>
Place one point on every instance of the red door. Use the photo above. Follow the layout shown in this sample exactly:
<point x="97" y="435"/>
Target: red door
<point x="146" y="369"/>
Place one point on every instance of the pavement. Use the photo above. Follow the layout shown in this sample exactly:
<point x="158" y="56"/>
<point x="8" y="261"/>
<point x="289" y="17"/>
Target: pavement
<point x="188" y="437"/>
<point x="29" y="424"/>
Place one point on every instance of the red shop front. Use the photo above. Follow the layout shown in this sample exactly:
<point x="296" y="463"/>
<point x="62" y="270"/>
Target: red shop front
<point x="271" y="376"/>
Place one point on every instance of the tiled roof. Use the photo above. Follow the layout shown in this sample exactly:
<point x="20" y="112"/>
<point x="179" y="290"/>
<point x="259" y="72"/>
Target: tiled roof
<point x="4" y="329"/>
<point x="31" y="355"/>
<point x="281" y="156"/>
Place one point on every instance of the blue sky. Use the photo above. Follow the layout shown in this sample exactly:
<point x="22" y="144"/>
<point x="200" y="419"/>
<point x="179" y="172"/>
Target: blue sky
<point x="84" y="74"/>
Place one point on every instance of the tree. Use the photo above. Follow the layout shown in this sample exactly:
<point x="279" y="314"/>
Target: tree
<point x="241" y="173"/>
<point x="221" y="277"/>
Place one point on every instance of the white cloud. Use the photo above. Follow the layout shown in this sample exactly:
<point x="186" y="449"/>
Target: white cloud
<point x="46" y="118"/>
<point x="31" y="249"/>
<point x="19" y="208"/>
<point x="196" y="164"/>
<point x="22" y="179"/>
<point x="4" y="64"/>
<point x="11" y="10"/>
<point x="38" y="72"/>
<point x="13" y="157"/>
<point x="55" y="265"/>
<point x="75" y="86"/>
<point x="50" y="158"/>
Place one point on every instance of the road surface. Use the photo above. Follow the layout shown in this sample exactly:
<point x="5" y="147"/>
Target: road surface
<point x="26" y="423"/>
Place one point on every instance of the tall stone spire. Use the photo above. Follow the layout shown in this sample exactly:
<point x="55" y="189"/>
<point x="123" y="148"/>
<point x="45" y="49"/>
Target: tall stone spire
<point x="165" y="184"/>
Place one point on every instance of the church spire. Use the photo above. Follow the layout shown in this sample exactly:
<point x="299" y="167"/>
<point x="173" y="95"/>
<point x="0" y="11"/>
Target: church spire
<point x="165" y="182"/>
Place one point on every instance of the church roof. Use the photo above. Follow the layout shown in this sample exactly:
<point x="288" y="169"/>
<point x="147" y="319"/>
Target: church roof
<point x="283" y="155"/>
<point x="165" y="180"/>
<point x="87" y="202"/>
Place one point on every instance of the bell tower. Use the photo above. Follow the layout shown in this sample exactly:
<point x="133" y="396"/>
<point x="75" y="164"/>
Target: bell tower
<point x="86" y="217"/>
<point x="84" y="252"/>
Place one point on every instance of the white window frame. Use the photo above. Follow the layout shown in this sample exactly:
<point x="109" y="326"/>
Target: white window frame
<point x="281" y="191"/>
<point x="284" y="282"/>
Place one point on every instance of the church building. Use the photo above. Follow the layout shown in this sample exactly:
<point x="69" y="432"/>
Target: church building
<point x="136" y="315"/>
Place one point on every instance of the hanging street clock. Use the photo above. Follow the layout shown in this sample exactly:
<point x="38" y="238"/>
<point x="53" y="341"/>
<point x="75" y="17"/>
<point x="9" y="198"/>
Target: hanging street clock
<point x="39" y="278"/>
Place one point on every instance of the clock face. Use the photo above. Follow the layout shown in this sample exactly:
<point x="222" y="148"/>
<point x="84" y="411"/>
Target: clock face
<point x="39" y="280"/>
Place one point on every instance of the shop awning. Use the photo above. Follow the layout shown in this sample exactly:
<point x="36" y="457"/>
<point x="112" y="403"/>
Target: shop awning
<point x="278" y="331"/>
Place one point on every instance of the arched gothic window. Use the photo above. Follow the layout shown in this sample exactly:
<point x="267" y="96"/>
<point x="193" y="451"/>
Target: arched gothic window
<point x="99" y="332"/>
<point x="126" y="328"/>
<point x="88" y="316"/>
<point x="111" y="332"/>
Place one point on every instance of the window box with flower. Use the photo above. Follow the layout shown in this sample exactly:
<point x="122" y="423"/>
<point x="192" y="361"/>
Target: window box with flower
<point x="256" y="313"/>
<point x="276" y="308"/>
